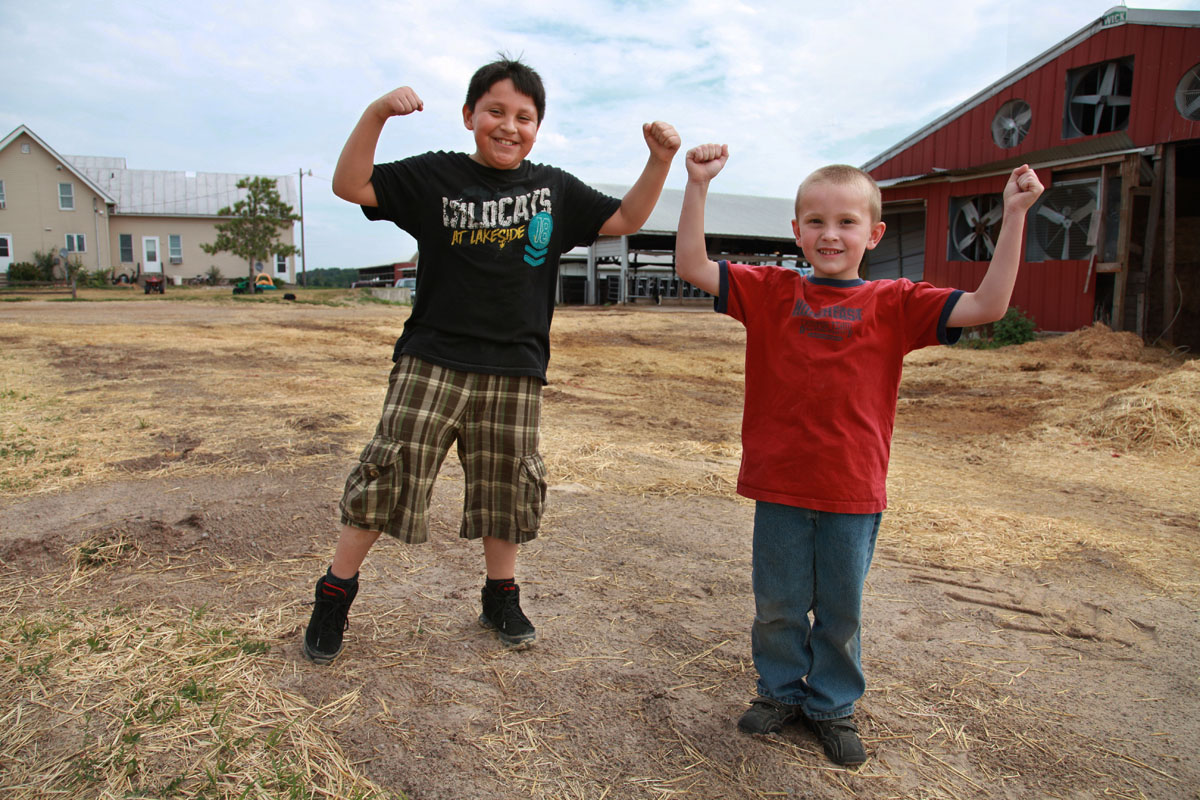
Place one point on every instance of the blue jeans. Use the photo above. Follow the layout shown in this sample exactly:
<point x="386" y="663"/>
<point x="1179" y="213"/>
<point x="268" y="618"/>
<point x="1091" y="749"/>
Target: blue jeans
<point x="810" y="561"/>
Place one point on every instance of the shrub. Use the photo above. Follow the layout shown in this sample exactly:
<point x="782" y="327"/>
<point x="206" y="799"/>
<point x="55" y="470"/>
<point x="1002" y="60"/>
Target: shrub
<point x="45" y="262"/>
<point x="25" y="271"/>
<point x="214" y="276"/>
<point x="1015" y="327"/>
<point x="76" y="270"/>
<point x="97" y="279"/>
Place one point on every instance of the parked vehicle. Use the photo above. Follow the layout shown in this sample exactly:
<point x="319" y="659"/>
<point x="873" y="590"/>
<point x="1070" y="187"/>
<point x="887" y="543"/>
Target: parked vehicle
<point x="154" y="283"/>
<point x="410" y="284"/>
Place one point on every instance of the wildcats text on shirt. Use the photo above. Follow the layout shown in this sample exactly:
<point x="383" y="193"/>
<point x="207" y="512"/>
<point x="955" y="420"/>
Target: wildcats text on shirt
<point x="503" y="212"/>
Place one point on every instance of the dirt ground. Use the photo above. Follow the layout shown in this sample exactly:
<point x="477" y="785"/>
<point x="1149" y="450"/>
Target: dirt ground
<point x="169" y="473"/>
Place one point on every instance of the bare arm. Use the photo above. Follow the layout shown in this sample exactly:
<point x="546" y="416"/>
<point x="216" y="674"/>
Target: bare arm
<point x="989" y="302"/>
<point x="352" y="176"/>
<point x="639" y="201"/>
<point x="691" y="252"/>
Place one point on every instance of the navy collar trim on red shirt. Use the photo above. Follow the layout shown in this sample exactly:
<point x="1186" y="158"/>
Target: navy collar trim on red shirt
<point x="835" y="282"/>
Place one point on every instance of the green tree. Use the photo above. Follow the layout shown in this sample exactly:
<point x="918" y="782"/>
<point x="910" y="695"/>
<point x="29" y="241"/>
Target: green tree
<point x="255" y="224"/>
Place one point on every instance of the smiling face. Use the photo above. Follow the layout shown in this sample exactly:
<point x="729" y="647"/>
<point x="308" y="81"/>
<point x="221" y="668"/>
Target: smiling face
<point x="835" y="226"/>
<point x="505" y="124"/>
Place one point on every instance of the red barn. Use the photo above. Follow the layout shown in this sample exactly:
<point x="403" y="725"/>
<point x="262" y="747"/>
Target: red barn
<point x="1110" y="118"/>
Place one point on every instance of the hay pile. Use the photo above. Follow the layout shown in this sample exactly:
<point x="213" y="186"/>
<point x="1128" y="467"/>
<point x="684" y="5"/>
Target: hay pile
<point x="1096" y="342"/>
<point x="1163" y="413"/>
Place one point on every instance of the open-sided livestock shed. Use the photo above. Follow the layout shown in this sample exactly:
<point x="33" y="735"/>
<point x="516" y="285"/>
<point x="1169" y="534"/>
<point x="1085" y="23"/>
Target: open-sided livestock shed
<point x="618" y="269"/>
<point x="1110" y="118"/>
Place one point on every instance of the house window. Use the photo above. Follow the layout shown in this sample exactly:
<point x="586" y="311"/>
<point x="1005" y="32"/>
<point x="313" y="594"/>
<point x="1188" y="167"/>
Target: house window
<point x="280" y="264"/>
<point x="66" y="197"/>
<point x="76" y="243"/>
<point x="25" y="148"/>
<point x="2" y="197"/>
<point x="126" y="240"/>
<point x="175" y="248"/>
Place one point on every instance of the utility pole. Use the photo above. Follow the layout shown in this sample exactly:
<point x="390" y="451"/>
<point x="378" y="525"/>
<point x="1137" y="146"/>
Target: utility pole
<point x="303" y="252"/>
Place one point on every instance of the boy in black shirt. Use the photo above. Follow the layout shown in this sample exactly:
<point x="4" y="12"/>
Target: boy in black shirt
<point x="472" y="359"/>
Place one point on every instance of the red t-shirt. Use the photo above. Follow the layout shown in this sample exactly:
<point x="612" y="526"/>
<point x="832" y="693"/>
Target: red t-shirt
<point x="823" y="363"/>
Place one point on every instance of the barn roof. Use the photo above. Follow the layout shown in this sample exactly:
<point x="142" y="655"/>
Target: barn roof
<point x="1114" y="17"/>
<point x="735" y="215"/>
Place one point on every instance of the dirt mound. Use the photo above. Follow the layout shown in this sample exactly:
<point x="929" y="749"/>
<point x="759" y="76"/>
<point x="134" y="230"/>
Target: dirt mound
<point x="1162" y="413"/>
<point x="1098" y="341"/>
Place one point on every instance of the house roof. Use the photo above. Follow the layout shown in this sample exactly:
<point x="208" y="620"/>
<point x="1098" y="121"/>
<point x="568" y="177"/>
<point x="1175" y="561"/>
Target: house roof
<point x="1119" y="15"/>
<point x="748" y="216"/>
<point x="169" y="192"/>
<point x="64" y="160"/>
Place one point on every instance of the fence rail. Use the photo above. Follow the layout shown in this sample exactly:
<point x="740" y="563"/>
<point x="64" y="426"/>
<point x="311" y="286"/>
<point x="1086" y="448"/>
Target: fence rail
<point x="36" y="287"/>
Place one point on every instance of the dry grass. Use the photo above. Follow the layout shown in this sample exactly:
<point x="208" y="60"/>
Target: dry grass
<point x="158" y="702"/>
<point x="81" y="406"/>
<point x="182" y="701"/>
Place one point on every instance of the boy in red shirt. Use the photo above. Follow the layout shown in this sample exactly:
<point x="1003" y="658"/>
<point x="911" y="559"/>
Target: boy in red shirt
<point x="823" y="361"/>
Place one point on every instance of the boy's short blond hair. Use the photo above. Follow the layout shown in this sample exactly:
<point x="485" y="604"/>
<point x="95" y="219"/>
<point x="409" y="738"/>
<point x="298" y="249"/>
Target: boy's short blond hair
<point x="842" y="174"/>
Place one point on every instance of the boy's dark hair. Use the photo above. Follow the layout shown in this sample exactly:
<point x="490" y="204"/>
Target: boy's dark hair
<point x="524" y="78"/>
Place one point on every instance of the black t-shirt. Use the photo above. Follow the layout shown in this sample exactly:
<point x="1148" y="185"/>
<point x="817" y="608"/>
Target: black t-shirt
<point x="489" y="242"/>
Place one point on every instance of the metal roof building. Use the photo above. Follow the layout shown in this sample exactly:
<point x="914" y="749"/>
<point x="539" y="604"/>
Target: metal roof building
<point x="126" y="223"/>
<point x="745" y="228"/>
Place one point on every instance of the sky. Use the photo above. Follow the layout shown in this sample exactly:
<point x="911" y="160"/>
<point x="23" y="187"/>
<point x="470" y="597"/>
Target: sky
<point x="272" y="88"/>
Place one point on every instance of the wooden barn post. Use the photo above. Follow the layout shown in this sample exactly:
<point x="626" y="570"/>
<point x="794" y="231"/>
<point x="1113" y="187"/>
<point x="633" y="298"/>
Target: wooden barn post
<point x="1129" y="176"/>
<point x="1168" y="241"/>
<point x="1148" y="247"/>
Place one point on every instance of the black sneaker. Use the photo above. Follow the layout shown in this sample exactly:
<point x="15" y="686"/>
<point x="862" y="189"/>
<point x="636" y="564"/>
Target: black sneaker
<point x="323" y="639"/>
<point x="502" y="614"/>
<point x="840" y="739"/>
<point x="767" y="716"/>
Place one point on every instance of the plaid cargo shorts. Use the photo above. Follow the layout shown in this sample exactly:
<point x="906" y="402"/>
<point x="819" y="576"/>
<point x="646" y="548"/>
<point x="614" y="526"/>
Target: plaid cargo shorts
<point x="495" y="421"/>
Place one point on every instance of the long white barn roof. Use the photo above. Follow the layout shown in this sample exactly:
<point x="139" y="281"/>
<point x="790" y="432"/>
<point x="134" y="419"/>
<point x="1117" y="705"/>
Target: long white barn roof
<point x="724" y="214"/>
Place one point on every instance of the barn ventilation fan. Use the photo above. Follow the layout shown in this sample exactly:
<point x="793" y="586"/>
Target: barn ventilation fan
<point x="1187" y="94"/>
<point x="1011" y="123"/>
<point x="1061" y="221"/>
<point x="974" y="225"/>
<point x="1098" y="98"/>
